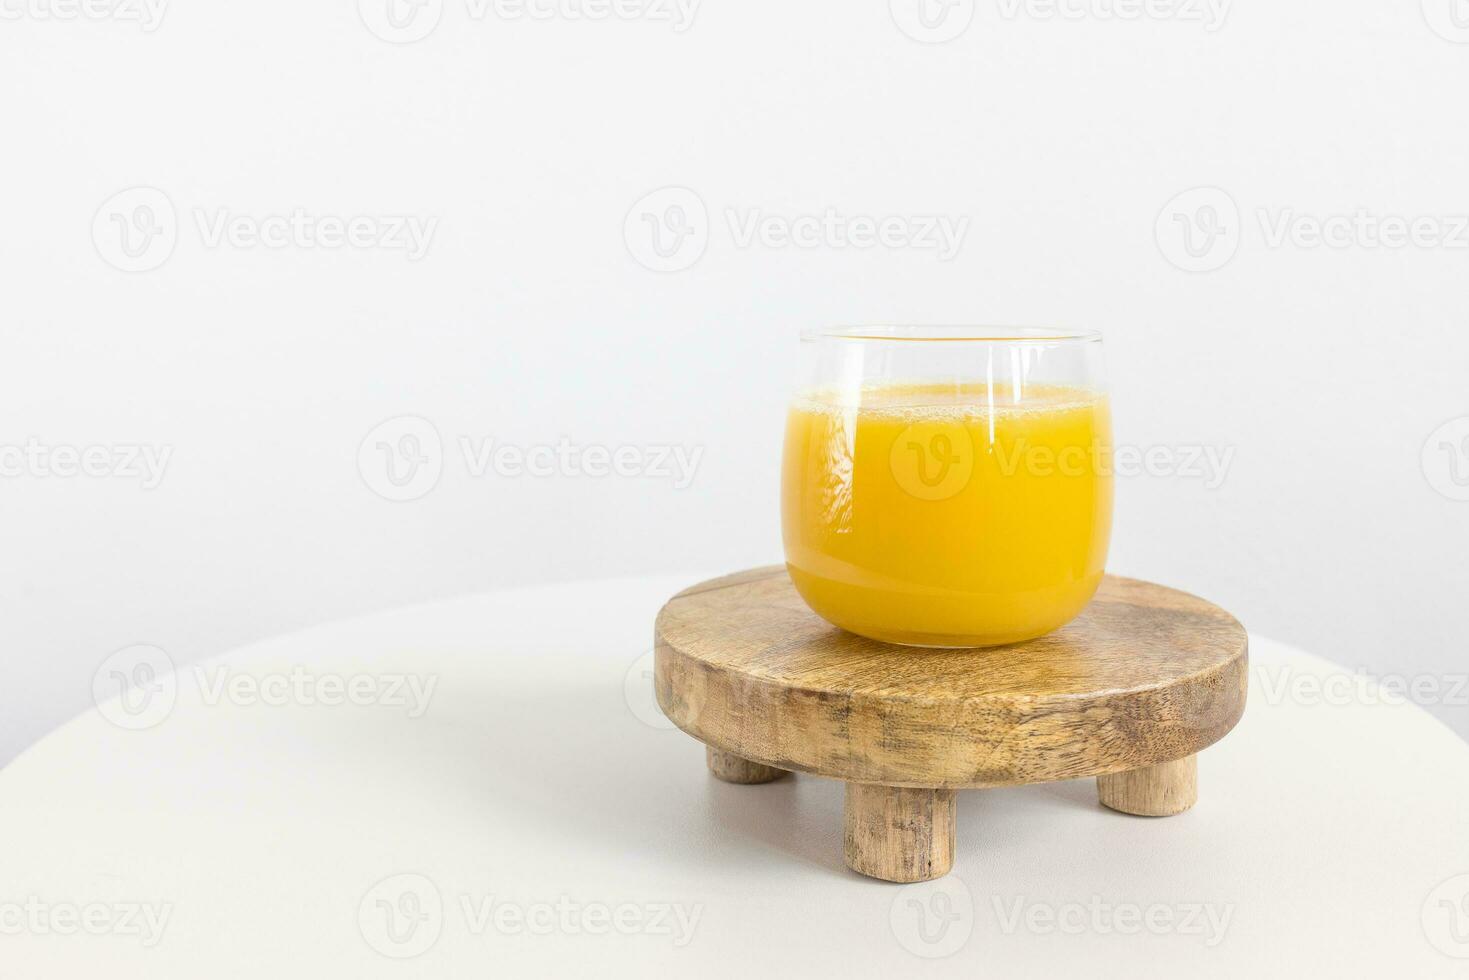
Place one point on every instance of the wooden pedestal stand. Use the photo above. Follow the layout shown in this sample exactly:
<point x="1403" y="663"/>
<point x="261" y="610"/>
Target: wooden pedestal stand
<point x="1129" y="692"/>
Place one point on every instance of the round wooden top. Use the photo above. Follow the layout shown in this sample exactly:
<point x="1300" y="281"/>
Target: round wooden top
<point x="1144" y="675"/>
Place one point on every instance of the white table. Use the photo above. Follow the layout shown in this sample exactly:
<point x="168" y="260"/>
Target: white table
<point x="532" y="822"/>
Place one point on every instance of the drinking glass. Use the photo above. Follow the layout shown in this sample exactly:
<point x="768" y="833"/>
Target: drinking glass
<point x="948" y="486"/>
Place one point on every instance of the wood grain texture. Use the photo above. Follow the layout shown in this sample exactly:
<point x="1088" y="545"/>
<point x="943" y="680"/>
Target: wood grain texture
<point x="1144" y="675"/>
<point x="1153" y="791"/>
<point x="732" y="769"/>
<point x="899" y="834"/>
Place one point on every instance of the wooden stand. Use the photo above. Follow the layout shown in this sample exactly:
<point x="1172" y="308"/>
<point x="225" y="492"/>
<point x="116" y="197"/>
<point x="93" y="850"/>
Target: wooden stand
<point x="1129" y="693"/>
<point x="899" y="834"/>
<point x="1155" y="791"/>
<point x="733" y="769"/>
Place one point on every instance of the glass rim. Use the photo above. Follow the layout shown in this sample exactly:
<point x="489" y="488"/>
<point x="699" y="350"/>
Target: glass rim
<point x="928" y="333"/>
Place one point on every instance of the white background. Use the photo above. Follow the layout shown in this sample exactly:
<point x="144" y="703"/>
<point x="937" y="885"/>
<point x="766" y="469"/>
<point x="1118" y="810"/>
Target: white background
<point x="530" y="319"/>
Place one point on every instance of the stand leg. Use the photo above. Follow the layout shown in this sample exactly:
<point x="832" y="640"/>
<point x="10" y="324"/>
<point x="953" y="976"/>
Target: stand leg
<point x="1153" y="791"/>
<point x="733" y="769"/>
<point x="899" y="834"/>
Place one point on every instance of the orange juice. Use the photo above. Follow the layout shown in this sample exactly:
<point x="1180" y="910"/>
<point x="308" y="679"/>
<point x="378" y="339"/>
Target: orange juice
<point x="948" y="515"/>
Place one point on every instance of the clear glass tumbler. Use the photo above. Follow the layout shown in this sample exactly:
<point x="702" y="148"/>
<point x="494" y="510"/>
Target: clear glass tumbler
<point x="948" y="486"/>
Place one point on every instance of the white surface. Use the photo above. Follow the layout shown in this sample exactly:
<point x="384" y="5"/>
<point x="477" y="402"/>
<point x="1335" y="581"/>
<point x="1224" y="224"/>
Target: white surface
<point x="529" y="319"/>
<point x="1322" y="831"/>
